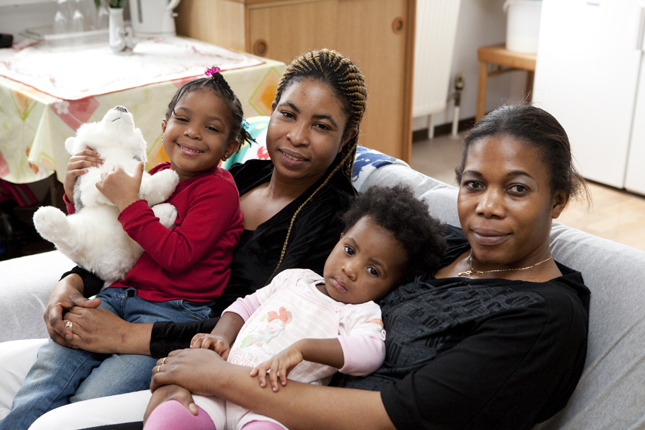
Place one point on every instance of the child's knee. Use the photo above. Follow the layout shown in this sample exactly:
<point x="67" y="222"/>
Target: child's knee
<point x="172" y="415"/>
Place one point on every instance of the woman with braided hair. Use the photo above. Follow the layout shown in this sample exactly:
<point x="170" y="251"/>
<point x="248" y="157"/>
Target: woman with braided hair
<point x="290" y="205"/>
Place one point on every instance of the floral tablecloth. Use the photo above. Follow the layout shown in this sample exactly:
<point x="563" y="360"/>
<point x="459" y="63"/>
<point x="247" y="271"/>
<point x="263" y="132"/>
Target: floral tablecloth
<point x="41" y="109"/>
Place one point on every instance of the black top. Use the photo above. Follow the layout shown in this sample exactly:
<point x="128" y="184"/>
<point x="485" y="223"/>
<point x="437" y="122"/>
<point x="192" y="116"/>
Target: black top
<point x="480" y="353"/>
<point x="314" y="233"/>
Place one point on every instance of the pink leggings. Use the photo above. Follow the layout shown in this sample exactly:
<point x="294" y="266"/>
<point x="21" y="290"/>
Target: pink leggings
<point x="172" y="415"/>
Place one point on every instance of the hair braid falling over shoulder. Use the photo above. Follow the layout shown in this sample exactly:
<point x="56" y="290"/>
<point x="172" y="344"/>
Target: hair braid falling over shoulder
<point x="348" y="84"/>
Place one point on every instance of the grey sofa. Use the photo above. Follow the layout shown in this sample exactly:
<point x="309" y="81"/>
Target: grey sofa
<point x="611" y="393"/>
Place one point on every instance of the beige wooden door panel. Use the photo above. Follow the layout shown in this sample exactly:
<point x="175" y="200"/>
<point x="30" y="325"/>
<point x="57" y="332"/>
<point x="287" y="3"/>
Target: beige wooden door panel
<point x="379" y="51"/>
<point x="290" y="30"/>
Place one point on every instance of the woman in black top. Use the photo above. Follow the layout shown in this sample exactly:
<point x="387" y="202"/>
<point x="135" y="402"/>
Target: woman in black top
<point x="290" y="207"/>
<point x="494" y="339"/>
<point x="290" y="204"/>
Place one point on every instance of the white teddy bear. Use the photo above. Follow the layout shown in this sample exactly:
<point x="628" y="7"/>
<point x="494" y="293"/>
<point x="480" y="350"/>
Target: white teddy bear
<point x="93" y="237"/>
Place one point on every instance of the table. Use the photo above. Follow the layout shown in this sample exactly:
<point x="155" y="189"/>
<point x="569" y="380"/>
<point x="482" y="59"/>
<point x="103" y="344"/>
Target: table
<point x="34" y="124"/>
<point x="499" y="55"/>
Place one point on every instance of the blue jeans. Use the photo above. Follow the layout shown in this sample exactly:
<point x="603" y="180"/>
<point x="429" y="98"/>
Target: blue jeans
<point x="62" y="375"/>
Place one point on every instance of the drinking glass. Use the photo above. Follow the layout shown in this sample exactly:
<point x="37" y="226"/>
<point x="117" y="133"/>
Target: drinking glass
<point x="77" y="22"/>
<point x="102" y="16"/>
<point x="62" y="19"/>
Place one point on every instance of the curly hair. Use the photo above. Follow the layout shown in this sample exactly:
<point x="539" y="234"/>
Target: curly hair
<point x="219" y="86"/>
<point x="398" y="211"/>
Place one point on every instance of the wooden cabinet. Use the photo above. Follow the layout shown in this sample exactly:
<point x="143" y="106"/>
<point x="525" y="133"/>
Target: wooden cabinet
<point x="378" y="35"/>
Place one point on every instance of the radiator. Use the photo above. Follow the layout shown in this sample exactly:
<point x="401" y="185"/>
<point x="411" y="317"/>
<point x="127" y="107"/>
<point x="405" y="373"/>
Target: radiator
<point x="436" y="26"/>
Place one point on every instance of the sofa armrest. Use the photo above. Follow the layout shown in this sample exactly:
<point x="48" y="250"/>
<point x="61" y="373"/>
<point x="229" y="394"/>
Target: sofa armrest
<point x="25" y="286"/>
<point x="610" y="392"/>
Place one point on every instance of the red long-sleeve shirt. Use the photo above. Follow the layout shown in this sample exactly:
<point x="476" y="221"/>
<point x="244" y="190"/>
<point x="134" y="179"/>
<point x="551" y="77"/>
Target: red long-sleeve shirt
<point x="192" y="260"/>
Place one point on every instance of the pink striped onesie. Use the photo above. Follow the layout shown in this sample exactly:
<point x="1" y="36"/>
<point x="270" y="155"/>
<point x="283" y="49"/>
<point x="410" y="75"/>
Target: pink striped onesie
<point x="289" y="309"/>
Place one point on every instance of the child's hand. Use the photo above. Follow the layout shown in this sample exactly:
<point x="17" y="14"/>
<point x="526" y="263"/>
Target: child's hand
<point x="281" y="365"/>
<point x="77" y="166"/>
<point x="213" y="342"/>
<point x="119" y="187"/>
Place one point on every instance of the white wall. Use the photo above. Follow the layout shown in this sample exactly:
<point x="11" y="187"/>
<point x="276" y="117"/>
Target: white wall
<point x="480" y="23"/>
<point x="17" y="15"/>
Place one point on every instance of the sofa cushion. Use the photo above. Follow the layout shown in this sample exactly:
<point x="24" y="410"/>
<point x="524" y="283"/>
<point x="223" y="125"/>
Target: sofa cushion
<point x="611" y="393"/>
<point x="367" y="161"/>
<point x="25" y="285"/>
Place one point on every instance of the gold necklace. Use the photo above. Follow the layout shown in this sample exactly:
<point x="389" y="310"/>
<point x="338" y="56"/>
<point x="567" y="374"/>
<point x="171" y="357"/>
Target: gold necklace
<point x="472" y="271"/>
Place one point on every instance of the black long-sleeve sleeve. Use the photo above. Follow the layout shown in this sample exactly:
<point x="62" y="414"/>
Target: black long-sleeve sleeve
<point x="168" y="336"/>
<point x="91" y="283"/>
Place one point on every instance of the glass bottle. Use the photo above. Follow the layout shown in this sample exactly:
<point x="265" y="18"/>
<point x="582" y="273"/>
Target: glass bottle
<point x="77" y="22"/>
<point x="62" y="18"/>
<point x="102" y="16"/>
<point x="88" y="8"/>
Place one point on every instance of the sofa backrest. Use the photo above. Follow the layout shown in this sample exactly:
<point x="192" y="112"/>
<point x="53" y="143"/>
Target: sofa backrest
<point x="611" y="391"/>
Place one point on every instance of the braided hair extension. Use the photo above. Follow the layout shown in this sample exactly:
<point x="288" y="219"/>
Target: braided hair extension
<point x="217" y="84"/>
<point x="349" y="155"/>
<point x="349" y="85"/>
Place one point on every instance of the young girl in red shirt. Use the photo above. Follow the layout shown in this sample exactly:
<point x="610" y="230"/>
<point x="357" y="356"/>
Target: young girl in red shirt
<point x="182" y="270"/>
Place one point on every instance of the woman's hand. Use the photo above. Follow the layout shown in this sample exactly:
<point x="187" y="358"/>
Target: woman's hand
<point x="213" y="342"/>
<point x="65" y="295"/>
<point x="77" y="166"/>
<point x="193" y="369"/>
<point x="170" y="392"/>
<point x="102" y="331"/>
<point x="119" y="187"/>
<point x="281" y="365"/>
<point x="203" y="372"/>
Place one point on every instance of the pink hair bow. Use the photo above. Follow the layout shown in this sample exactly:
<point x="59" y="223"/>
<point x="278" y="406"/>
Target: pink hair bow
<point x="212" y="71"/>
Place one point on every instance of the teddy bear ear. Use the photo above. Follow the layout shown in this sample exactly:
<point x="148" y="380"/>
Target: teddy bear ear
<point x="69" y="145"/>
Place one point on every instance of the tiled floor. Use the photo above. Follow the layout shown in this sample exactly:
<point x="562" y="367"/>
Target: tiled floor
<point x="613" y="214"/>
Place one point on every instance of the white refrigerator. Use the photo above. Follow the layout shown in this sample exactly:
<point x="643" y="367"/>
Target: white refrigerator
<point x="590" y="76"/>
